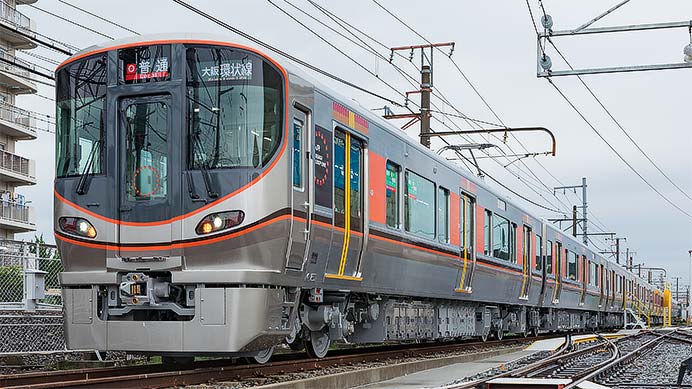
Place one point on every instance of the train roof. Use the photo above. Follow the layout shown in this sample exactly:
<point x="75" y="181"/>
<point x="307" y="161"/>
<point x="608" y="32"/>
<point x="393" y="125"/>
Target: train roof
<point x="292" y="69"/>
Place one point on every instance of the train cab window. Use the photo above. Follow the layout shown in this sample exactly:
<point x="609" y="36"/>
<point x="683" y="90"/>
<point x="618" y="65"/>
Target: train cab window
<point x="392" y="199"/>
<point x="549" y="257"/>
<point x="419" y="207"/>
<point x="235" y="108"/>
<point x="297" y="154"/>
<point x="539" y="253"/>
<point x="571" y="265"/>
<point x="81" y="106"/>
<point x="146" y="143"/>
<point x="443" y="214"/>
<point x="467" y="224"/>
<point x="501" y="238"/>
<point x="487" y="233"/>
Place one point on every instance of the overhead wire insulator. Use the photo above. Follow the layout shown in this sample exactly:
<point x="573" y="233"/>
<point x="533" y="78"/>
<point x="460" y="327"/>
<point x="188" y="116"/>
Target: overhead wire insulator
<point x="547" y="22"/>
<point x="545" y="62"/>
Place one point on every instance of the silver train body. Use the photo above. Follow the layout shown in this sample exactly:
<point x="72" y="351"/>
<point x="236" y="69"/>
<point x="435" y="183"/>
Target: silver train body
<point x="201" y="206"/>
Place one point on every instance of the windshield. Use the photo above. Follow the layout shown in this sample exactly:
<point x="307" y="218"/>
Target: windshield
<point x="81" y="98"/>
<point x="234" y="108"/>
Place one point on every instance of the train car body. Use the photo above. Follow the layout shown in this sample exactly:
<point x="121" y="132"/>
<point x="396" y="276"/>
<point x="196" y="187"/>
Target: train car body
<point x="213" y="200"/>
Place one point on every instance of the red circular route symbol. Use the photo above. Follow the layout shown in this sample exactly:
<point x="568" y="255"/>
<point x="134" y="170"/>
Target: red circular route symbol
<point x="156" y="187"/>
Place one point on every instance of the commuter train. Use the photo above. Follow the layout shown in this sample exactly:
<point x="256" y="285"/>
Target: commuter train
<point x="212" y="200"/>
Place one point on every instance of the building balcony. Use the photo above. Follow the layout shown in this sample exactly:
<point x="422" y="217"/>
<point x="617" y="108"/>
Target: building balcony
<point x="16" y="218"/>
<point x="16" y="78"/>
<point x="16" y="169"/>
<point x="16" y="122"/>
<point x="17" y="29"/>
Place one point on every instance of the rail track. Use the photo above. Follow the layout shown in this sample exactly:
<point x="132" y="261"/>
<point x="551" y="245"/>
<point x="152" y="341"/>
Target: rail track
<point x="577" y="363"/>
<point x="644" y="360"/>
<point x="165" y="375"/>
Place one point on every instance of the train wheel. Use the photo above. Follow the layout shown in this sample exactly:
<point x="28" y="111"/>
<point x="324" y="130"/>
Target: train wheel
<point x="499" y="334"/>
<point x="294" y="339"/>
<point x="263" y="356"/>
<point x="318" y="344"/>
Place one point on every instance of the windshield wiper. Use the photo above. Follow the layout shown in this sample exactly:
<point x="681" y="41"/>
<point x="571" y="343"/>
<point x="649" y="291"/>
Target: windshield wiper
<point x="82" y="187"/>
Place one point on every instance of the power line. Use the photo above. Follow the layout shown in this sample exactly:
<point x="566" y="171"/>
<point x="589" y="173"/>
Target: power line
<point x="39" y="41"/>
<point x="335" y="47"/>
<point x="485" y="102"/>
<point x="41" y="57"/>
<point x="281" y="52"/>
<point x="618" y="123"/>
<point x="72" y="22"/>
<point x="99" y="17"/>
<point x="336" y="19"/>
<point x="616" y="152"/>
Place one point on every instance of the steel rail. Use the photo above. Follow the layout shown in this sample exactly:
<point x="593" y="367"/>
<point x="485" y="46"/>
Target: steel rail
<point x="151" y="376"/>
<point x="617" y="361"/>
<point x="472" y="384"/>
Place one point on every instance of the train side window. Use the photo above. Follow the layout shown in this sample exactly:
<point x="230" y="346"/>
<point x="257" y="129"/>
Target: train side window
<point x="487" y="233"/>
<point x="513" y="243"/>
<point x="571" y="265"/>
<point x="443" y="214"/>
<point x="392" y="199"/>
<point x="356" y="165"/>
<point x="526" y="247"/>
<point x="592" y="274"/>
<point x="549" y="257"/>
<point x="419" y="207"/>
<point x="339" y="179"/>
<point x="558" y="259"/>
<point x="467" y="223"/>
<point x="584" y="270"/>
<point x="297" y="154"/>
<point x="501" y="238"/>
<point x="539" y="253"/>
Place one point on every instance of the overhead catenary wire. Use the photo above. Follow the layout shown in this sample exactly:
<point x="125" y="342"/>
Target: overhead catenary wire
<point x="72" y="22"/>
<point x="336" y="19"/>
<point x="283" y="53"/>
<point x="617" y="123"/>
<point x="482" y="98"/>
<point x="635" y="171"/>
<point x="99" y="17"/>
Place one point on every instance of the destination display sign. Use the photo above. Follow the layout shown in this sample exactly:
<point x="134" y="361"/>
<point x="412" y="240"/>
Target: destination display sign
<point x="145" y="64"/>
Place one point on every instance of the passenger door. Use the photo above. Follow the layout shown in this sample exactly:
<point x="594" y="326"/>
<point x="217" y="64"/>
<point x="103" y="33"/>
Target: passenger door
<point x="558" y="273"/>
<point x="149" y="178"/>
<point x="526" y="263"/>
<point x="467" y="224"/>
<point x="349" y="209"/>
<point x="301" y="183"/>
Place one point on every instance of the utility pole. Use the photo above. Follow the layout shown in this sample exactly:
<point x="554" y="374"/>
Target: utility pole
<point x="689" y="306"/>
<point x="426" y="86"/>
<point x="677" y="289"/>
<point x="584" y="219"/>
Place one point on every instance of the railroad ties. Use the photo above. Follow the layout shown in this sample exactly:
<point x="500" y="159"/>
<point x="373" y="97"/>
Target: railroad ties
<point x="647" y="359"/>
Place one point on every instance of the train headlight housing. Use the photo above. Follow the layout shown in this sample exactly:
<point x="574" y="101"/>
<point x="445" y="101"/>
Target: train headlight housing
<point x="219" y="221"/>
<point x="77" y="226"/>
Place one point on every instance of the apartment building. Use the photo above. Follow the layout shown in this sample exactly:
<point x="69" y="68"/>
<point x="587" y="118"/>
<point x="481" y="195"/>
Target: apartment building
<point x="16" y="124"/>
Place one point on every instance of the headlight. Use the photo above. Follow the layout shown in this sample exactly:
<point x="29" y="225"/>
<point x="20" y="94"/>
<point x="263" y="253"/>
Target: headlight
<point x="77" y="226"/>
<point x="219" y="221"/>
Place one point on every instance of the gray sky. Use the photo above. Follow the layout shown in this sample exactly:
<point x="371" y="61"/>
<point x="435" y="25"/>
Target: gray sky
<point x="496" y="48"/>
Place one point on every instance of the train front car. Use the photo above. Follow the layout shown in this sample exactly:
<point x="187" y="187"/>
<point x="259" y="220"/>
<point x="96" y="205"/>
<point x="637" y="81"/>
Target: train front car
<point x="171" y="201"/>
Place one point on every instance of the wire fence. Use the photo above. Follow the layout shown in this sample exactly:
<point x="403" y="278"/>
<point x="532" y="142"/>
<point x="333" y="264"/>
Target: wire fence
<point x="30" y="298"/>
